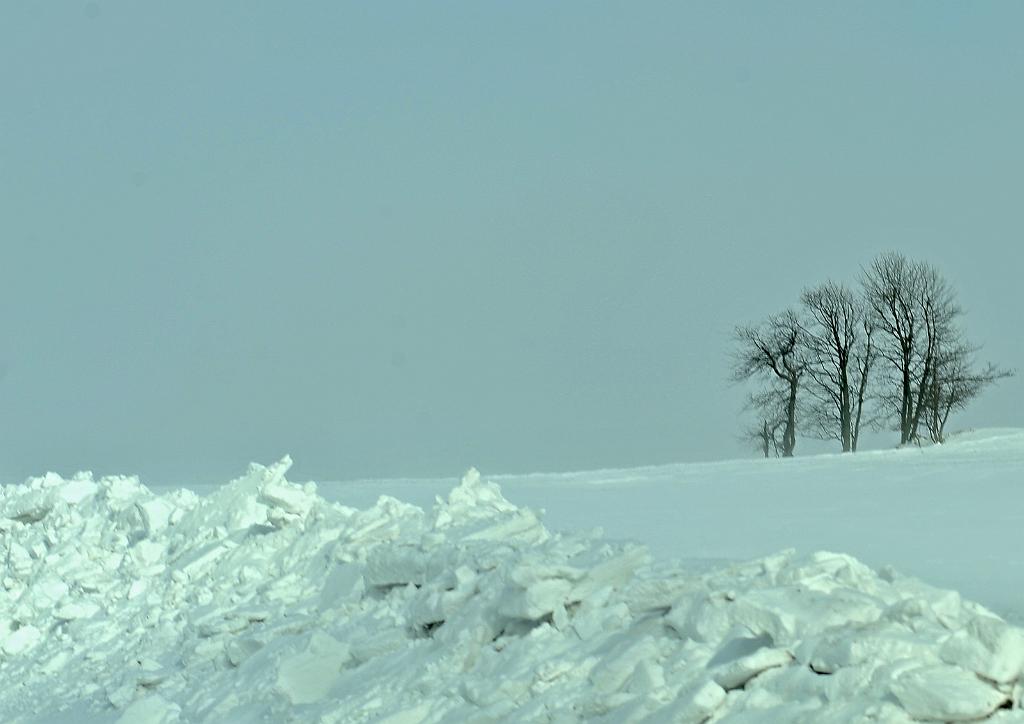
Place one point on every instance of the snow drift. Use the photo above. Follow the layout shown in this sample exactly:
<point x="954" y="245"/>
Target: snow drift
<point x="264" y="602"/>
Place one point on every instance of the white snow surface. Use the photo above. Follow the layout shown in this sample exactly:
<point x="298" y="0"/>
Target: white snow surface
<point x="949" y="514"/>
<point x="264" y="602"/>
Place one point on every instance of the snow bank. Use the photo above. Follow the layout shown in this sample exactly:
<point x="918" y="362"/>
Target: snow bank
<point x="263" y="602"/>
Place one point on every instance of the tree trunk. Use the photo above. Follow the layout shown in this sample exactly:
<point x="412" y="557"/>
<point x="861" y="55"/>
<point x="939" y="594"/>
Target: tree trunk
<point x="942" y="422"/>
<point x="905" y="404"/>
<point x="844" y="410"/>
<point x="864" y="369"/>
<point x="918" y="407"/>
<point x="934" y="422"/>
<point x="789" y="436"/>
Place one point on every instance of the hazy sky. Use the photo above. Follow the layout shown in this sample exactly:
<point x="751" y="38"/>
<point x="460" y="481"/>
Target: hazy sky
<point x="405" y="238"/>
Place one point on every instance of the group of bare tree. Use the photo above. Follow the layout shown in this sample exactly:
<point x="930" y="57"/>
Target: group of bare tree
<point x="889" y="353"/>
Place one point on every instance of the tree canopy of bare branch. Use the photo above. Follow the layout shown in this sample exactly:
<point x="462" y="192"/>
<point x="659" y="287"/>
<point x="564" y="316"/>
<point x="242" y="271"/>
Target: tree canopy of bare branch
<point x="890" y="353"/>
<point x="955" y="382"/>
<point x="775" y="350"/>
<point x="840" y="356"/>
<point x="914" y="308"/>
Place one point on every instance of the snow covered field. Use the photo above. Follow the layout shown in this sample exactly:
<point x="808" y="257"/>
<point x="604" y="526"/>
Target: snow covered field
<point x="262" y="601"/>
<point x="952" y="515"/>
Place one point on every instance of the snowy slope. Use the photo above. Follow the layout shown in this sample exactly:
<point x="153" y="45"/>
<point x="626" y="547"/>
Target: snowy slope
<point x="263" y="601"/>
<point x="952" y="515"/>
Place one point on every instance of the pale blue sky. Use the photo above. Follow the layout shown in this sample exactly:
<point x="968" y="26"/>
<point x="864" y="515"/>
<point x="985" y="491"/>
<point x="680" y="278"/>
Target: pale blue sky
<point x="406" y="238"/>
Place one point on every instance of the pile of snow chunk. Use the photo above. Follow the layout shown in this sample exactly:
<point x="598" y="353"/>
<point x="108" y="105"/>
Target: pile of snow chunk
<point x="263" y="602"/>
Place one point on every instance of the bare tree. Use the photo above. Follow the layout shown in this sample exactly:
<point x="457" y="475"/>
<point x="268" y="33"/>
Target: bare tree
<point x="955" y="382"/>
<point x="834" y="335"/>
<point x="775" y="351"/>
<point x="864" y="357"/>
<point x="893" y="354"/>
<point x="770" y="407"/>
<point x="913" y="307"/>
<point x="939" y="309"/>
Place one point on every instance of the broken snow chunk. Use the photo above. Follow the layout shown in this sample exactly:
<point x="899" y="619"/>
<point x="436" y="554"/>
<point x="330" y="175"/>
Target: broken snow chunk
<point x="155" y="515"/>
<point x="394" y="566"/>
<point x="989" y="647"/>
<point x="238" y="650"/>
<point x="76" y="610"/>
<point x="339" y="583"/>
<point x="47" y="591"/>
<point x="30" y="508"/>
<point x="121" y="695"/>
<point x="196" y="563"/>
<point x="148" y="552"/>
<point x="153" y="709"/>
<point x="611" y="573"/>
<point x="22" y="640"/>
<point x="825" y="571"/>
<point x="19" y="560"/>
<point x="737" y="672"/>
<point x="946" y="693"/>
<point x="288" y="497"/>
<point x="471" y="499"/>
<point x="701" y="616"/>
<point x="414" y="714"/>
<point x="389" y="520"/>
<point x="498" y="692"/>
<point x="309" y="675"/>
<point x="854" y="646"/>
<point x="651" y="594"/>
<point x="694" y="705"/>
<point x="77" y="490"/>
<point x="771" y="613"/>
<point x="378" y="643"/>
<point x="530" y="572"/>
<point x="594" y="618"/>
<point x="138" y="587"/>
<point x="56" y="663"/>
<point x="946" y="606"/>
<point x="121" y="491"/>
<point x="609" y="676"/>
<point x="738" y="647"/>
<point x="236" y="506"/>
<point x="536" y="600"/>
<point x="524" y="526"/>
